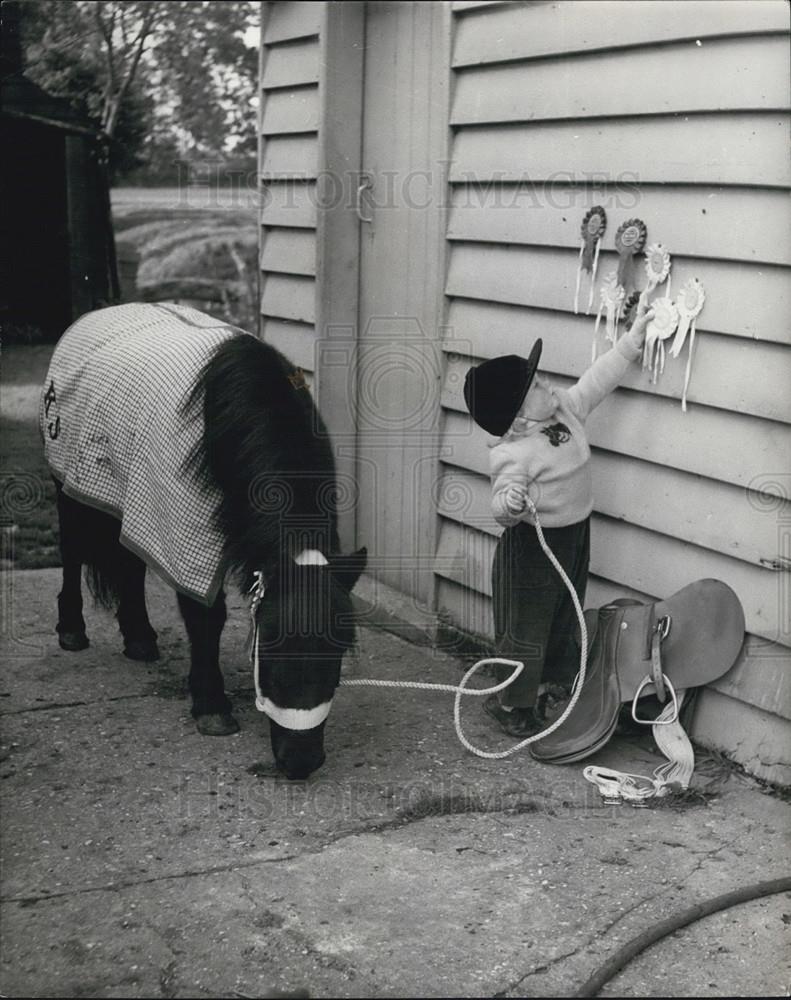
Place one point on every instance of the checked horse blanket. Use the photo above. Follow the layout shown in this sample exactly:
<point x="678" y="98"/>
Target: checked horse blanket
<point x="115" y="436"/>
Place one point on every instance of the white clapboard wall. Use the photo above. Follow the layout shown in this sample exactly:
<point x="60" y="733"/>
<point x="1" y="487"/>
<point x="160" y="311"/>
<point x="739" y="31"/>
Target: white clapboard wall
<point x="672" y="112"/>
<point x="288" y="164"/>
<point x="675" y="113"/>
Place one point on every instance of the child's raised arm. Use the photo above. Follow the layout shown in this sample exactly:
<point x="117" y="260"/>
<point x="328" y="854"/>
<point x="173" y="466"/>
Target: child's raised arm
<point x="608" y="370"/>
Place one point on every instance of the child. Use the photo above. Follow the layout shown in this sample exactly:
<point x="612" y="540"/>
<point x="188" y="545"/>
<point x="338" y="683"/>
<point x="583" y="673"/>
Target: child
<point x="543" y="453"/>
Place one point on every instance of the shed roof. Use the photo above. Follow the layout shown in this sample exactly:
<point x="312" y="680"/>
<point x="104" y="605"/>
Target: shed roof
<point x="21" y="98"/>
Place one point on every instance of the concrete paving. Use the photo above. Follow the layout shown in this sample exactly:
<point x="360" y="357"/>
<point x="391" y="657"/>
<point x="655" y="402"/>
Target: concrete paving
<point x="140" y="859"/>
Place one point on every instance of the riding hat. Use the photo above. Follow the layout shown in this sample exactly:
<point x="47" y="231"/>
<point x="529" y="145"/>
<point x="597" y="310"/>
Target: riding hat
<point x="495" y="390"/>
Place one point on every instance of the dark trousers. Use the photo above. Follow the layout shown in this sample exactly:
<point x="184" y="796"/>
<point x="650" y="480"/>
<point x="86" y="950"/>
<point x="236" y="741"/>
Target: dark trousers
<point x="534" y="616"/>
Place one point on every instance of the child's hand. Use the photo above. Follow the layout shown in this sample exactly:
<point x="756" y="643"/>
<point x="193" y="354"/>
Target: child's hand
<point x="644" y="317"/>
<point x="515" y="499"/>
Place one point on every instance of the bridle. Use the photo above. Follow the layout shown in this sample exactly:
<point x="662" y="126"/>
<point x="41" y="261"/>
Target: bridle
<point x="296" y="719"/>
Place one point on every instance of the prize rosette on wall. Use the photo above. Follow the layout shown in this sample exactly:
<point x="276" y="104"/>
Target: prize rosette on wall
<point x="657" y="269"/>
<point x="662" y="326"/>
<point x="629" y="240"/>
<point x="689" y="304"/>
<point x="619" y="302"/>
<point x="592" y="230"/>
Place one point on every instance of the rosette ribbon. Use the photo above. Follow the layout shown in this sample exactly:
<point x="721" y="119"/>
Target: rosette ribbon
<point x="592" y="230"/>
<point x="662" y="326"/>
<point x="657" y="270"/>
<point x="629" y="240"/>
<point x="689" y="304"/>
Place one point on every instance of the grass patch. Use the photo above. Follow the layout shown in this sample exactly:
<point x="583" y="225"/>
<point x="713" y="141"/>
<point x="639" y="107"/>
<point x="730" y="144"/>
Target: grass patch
<point x="27" y="509"/>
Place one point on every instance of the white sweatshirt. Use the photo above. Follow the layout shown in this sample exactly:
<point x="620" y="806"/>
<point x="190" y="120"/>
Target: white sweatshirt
<point x="552" y="458"/>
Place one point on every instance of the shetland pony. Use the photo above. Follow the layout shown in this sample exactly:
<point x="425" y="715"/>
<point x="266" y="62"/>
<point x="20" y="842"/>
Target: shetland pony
<point x="253" y="451"/>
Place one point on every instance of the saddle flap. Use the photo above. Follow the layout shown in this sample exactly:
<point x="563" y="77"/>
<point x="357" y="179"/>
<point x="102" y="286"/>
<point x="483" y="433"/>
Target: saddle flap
<point x="706" y="632"/>
<point x="704" y="637"/>
<point x="593" y="719"/>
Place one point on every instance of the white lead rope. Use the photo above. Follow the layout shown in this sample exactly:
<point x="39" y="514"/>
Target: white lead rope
<point x="613" y="785"/>
<point x="462" y="689"/>
<point x="263" y="705"/>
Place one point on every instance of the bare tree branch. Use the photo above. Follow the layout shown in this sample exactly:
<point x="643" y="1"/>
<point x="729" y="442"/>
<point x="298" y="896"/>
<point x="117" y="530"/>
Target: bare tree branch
<point x="137" y="46"/>
<point x="124" y="35"/>
<point x="107" y="35"/>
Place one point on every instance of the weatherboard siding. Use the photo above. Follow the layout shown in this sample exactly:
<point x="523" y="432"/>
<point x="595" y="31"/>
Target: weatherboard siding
<point x="288" y="165"/>
<point x="676" y="114"/>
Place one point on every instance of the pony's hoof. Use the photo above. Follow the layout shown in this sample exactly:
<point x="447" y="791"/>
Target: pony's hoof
<point x="217" y="725"/>
<point x="73" y="641"/>
<point x="142" y="649"/>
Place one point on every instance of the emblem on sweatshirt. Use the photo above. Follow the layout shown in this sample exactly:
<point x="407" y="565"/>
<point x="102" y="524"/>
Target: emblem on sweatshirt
<point x="558" y="434"/>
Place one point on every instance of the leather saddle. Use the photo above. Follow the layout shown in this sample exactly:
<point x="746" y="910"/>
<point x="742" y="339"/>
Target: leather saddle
<point x="639" y="650"/>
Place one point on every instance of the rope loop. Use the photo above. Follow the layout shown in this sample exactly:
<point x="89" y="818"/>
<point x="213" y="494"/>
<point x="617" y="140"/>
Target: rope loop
<point x="613" y="785"/>
<point x="461" y="689"/>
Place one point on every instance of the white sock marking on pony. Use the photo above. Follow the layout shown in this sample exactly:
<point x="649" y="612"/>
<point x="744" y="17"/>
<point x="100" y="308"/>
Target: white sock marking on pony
<point x="310" y="557"/>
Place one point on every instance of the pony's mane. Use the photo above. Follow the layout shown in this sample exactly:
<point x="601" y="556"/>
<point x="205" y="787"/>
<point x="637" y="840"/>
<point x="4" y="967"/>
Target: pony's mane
<point x="267" y="452"/>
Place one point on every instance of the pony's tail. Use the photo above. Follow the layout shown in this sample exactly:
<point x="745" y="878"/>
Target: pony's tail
<point x="103" y="585"/>
<point x="104" y="561"/>
<point x="94" y="536"/>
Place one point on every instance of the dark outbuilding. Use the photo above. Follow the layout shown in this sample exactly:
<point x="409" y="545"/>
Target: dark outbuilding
<point x="58" y="249"/>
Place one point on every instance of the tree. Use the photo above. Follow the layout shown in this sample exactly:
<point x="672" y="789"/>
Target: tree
<point x="180" y="69"/>
<point x="211" y="83"/>
<point x="123" y="29"/>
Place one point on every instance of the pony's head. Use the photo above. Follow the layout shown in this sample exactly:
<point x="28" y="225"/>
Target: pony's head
<point x="305" y="623"/>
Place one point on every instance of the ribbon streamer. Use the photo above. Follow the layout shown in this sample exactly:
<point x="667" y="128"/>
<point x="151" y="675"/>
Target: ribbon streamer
<point x="612" y="297"/>
<point x="592" y="230"/>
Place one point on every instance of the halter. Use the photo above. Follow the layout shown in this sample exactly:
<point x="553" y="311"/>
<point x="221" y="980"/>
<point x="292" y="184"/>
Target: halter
<point x="298" y="719"/>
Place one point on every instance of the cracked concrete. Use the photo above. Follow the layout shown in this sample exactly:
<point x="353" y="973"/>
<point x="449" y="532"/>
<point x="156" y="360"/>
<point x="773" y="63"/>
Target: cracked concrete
<point x="142" y="860"/>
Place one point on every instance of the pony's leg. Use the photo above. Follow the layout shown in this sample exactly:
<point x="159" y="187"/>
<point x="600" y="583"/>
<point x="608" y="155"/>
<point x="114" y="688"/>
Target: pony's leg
<point x="71" y="624"/>
<point x="140" y="639"/>
<point x="211" y="708"/>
